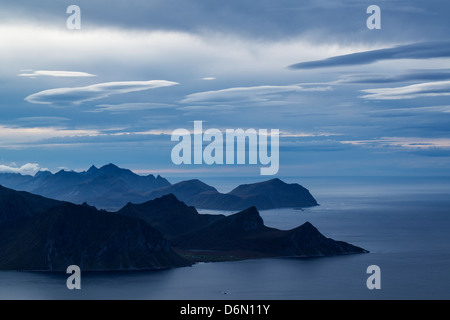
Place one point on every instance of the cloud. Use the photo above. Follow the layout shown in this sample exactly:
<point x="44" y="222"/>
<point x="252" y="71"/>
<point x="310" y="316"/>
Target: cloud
<point x="419" y="111"/>
<point x="79" y="95"/>
<point x="41" y="121"/>
<point x="59" y="74"/>
<point x="424" y="50"/>
<point x="128" y="107"/>
<point x="209" y="79"/>
<point x="288" y="134"/>
<point x="26" y="169"/>
<point x="113" y="53"/>
<point x="154" y="132"/>
<point x="11" y="136"/>
<point x="430" y="89"/>
<point x="415" y="75"/>
<point x="329" y="20"/>
<point x="249" y="94"/>
<point x="404" y="142"/>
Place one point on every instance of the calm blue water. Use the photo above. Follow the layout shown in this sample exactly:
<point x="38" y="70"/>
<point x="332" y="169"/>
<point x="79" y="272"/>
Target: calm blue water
<point x="405" y="223"/>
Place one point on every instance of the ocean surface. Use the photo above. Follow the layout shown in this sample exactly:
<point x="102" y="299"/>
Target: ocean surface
<point x="403" y="222"/>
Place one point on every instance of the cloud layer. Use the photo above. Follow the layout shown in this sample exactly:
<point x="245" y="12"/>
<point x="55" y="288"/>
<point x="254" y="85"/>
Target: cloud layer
<point x="230" y="58"/>
<point x="57" y="74"/>
<point x="253" y="94"/>
<point x="13" y="136"/>
<point x="26" y="169"/>
<point x="128" y="107"/>
<point x="422" y="90"/>
<point x="405" y="142"/>
<point x="79" y="95"/>
<point x="424" y="50"/>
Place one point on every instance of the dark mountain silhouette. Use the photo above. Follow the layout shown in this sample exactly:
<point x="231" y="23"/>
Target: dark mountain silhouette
<point x="16" y="205"/>
<point x="185" y="190"/>
<point x="239" y="236"/>
<point x="200" y="195"/>
<point x="244" y="235"/>
<point x="265" y="195"/>
<point x="108" y="188"/>
<point x="170" y="216"/>
<point x="46" y="235"/>
<point x="275" y="194"/>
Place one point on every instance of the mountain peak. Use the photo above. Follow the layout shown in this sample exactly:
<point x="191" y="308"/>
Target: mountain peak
<point x="247" y="220"/>
<point x="170" y="197"/>
<point x="274" y="193"/>
<point x="277" y="181"/>
<point x="92" y="169"/>
<point x="65" y="173"/>
<point x="252" y="211"/>
<point x="110" y="166"/>
<point x="41" y="174"/>
<point x="114" y="170"/>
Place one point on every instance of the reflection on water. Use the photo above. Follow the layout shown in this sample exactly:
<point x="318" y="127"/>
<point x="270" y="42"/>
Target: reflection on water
<point x="407" y="232"/>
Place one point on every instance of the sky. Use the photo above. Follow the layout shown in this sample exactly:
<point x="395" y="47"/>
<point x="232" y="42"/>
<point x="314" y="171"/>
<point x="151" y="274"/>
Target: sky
<point x="348" y="101"/>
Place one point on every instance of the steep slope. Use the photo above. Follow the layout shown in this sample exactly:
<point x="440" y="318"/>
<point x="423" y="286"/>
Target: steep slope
<point x="47" y="235"/>
<point x="16" y="205"/>
<point x="109" y="187"/>
<point x="169" y="215"/>
<point x="244" y="235"/>
<point x="83" y="236"/>
<point x="184" y="190"/>
<point x="200" y="195"/>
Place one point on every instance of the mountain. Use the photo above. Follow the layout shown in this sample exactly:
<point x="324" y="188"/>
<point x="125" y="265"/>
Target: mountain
<point x="200" y="195"/>
<point x="244" y="235"/>
<point x="16" y="205"/>
<point x="265" y="195"/>
<point x="185" y="190"/>
<point x="47" y="235"/>
<point x="274" y="194"/>
<point x="109" y="187"/>
<point x="239" y="236"/>
<point x="169" y="215"/>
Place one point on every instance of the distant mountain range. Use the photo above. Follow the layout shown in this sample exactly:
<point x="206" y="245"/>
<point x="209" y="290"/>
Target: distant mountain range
<point x="111" y="188"/>
<point x="107" y="188"/>
<point x="266" y="195"/>
<point x="40" y="234"/>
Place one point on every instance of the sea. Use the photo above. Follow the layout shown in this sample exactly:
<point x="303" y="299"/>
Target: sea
<point x="403" y="221"/>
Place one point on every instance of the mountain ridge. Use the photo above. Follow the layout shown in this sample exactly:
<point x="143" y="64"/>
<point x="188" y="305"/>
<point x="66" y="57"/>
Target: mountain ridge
<point x="244" y="235"/>
<point x="63" y="234"/>
<point x="271" y="194"/>
<point x="206" y="238"/>
<point x="111" y="188"/>
<point x="48" y="235"/>
<point x="108" y="187"/>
